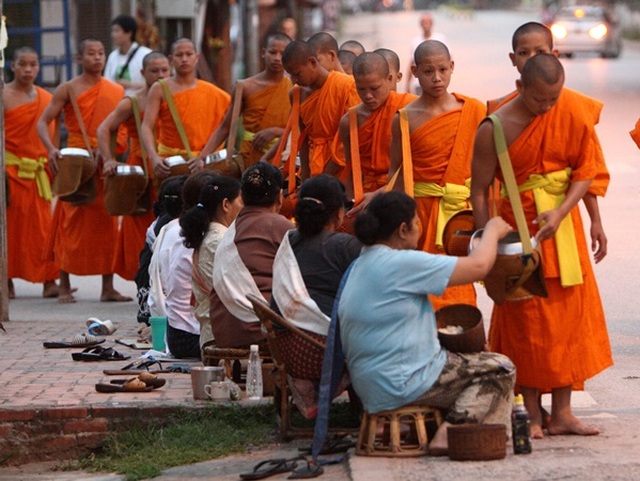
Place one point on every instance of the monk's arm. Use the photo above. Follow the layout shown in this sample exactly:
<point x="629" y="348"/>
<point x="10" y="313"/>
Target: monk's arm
<point x="483" y="170"/>
<point x="305" y="169"/>
<point x="108" y="126"/>
<point x="58" y="101"/>
<point x="550" y="220"/>
<point x="396" y="153"/>
<point x="598" y="236"/>
<point x="151" y="112"/>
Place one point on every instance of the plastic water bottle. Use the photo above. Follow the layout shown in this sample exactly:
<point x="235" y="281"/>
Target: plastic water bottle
<point x="254" y="375"/>
<point x="521" y="427"/>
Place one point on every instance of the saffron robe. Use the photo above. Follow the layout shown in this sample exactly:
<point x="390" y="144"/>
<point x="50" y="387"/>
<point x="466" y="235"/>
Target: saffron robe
<point x="320" y="114"/>
<point x="441" y="150"/>
<point x="374" y="138"/>
<point x="266" y="108"/>
<point x="635" y="134"/>
<point x="560" y="340"/>
<point x="28" y="213"/>
<point x="590" y="108"/>
<point x="133" y="228"/>
<point x="85" y="235"/>
<point x="201" y="110"/>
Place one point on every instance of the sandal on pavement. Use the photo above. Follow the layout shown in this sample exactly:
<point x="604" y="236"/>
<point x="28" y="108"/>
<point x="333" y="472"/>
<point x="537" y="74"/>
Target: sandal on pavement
<point x="79" y="340"/>
<point x="128" y="385"/>
<point x="271" y="467"/>
<point x="99" y="353"/>
<point x="150" y="380"/>
<point x="100" y="328"/>
<point x="136" y="367"/>
<point x="311" y="470"/>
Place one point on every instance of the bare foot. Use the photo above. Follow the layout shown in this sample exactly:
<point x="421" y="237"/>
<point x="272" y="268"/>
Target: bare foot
<point x="439" y="446"/>
<point x="12" y="290"/>
<point x="535" y="431"/>
<point x="546" y="417"/>
<point x="571" y="425"/>
<point x="114" y="296"/>
<point x="65" y="297"/>
<point x="51" y="290"/>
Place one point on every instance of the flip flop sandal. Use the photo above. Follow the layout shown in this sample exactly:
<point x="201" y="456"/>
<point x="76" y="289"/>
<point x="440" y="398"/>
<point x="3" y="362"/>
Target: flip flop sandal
<point x="79" y="340"/>
<point x="99" y="354"/>
<point x="150" y="380"/>
<point x="100" y="328"/>
<point x="311" y="470"/>
<point x="136" y="367"/>
<point x="128" y="385"/>
<point x="271" y="467"/>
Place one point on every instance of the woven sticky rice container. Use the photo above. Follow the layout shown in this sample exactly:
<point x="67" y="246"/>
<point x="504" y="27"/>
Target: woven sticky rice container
<point x="477" y="442"/>
<point x="469" y="318"/>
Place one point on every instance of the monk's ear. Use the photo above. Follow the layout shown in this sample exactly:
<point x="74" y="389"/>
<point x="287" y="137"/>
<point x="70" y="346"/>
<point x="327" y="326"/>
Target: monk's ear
<point x="555" y="52"/>
<point x="414" y="70"/>
<point x="399" y="76"/>
<point x="313" y="61"/>
<point x="452" y="65"/>
<point x="512" y="57"/>
<point x="390" y="79"/>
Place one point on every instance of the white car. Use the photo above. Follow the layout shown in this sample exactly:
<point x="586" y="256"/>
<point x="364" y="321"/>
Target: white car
<point x="586" y="28"/>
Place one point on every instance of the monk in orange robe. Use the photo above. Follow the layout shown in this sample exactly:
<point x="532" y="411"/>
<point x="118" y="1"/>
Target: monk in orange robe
<point x="558" y="341"/>
<point x="264" y="109"/>
<point x="442" y="128"/>
<point x="133" y="228"/>
<point x="29" y="192"/>
<point x="85" y="235"/>
<point x="380" y="103"/>
<point x="531" y="39"/>
<point x="325" y="98"/>
<point x="201" y="106"/>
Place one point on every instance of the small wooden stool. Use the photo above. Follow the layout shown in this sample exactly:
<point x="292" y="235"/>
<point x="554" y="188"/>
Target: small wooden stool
<point x="391" y="443"/>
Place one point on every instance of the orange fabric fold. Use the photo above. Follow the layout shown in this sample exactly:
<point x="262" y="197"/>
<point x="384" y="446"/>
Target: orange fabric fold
<point x="561" y="340"/>
<point x="28" y="214"/>
<point x="321" y="112"/>
<point x="266" y="108"/>
<point x="635" y="133"/>
<point x="201" y="110"/>
<point x="441" y="150"/>
<point x="85" y="236"/>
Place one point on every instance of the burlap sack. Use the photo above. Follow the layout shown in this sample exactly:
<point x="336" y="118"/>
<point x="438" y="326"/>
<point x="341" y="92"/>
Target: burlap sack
<point x="124" y="194"/>
<point x="75" y="181"/>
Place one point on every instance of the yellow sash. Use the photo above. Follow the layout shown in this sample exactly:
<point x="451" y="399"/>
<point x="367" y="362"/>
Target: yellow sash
<point x="453" y="199"/>
<point x="248" y="136"/>
<point x="549" y="192"/>
<point x="32" y="169"/>
<point x="166" y="151"/>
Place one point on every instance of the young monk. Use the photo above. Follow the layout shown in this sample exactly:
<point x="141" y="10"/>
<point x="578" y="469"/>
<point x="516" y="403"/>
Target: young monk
<point x="531" y="39"/>
<point x="561" y="340"/>
<point x="394" y="66"/>
<point x="265" y="107"/>
<point x="133" y="229"/>
<point x="201" y="107"/>
<point x="325" y="98"/>
<point x="346" y="58"/>
<point x="442" y="128"/>
<point x="353" y="46"/>
<point x="374" y="83"/>
<point x="85" y="235"/>
<point x="326" y="48"/>
<point x="29" y="190"/>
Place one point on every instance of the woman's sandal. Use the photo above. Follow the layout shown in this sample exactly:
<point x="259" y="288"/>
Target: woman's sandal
<point x="99" y="353"/>
<point x="144" y="382"/>
<point x="271" y="467"/>
<point x="79" y="340"/>
<point x="136" y="367"/>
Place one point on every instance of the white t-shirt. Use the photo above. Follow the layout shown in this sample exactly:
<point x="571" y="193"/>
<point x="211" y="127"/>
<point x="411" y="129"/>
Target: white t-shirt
<point x="117" y="60"/>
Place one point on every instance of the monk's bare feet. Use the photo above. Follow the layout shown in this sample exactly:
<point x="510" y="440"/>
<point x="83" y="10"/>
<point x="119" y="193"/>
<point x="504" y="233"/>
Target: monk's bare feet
<point x="65" y="296"/>
<point x="113" y="296"/>
<point x="546" y="417"/>
<point x="570" y="425"/>
<point x="12" y="290"/>
<point x="50" y="290"/>
<point x="535" y="430"/>
<point x="440" y="446"/>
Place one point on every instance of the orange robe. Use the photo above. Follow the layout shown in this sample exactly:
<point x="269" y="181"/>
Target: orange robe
<point x="374" y="138"/>
<point x="560" y="340"/>
<point x="321" y="112"/>
<point x="86" y="235"/>
<point x="635" y="134"/>
<point x="28" y="213"/>
<point x="201" y="110"/>
<point x="266" y="108"/>
<point x="590" y="108"/>
<point x="133" y="228"/>
<point x="441" y="150"/>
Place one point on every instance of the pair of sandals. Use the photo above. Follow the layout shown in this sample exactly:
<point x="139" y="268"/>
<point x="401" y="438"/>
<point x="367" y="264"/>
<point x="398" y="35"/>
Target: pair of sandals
<point x="99" y="353"/>
<point x="147" y="365"/>
<point x="143" y="382"/>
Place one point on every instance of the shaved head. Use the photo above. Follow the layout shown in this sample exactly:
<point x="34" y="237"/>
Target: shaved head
<point x="283" y="37"/>
<point x="371" y="62"/>
<point x="297" y="52"/>
<point x="353" y="46"/>
<point x="391" y="57"/>
<point x="181" y="41"/>
<point x="529" y="28"/>
<point x="87" y="41"/>
<point x="430" y="48"/>
<point x="151" y="56"/>
<point x="23" y="50"/>
<point x="346" y="58"/>
<point x="544" y="67"/>
<point x="322" y="42"/>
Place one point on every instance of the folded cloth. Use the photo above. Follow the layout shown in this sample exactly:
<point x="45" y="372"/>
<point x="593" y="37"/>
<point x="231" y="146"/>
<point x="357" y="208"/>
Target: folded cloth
<point x="100" y="328"/>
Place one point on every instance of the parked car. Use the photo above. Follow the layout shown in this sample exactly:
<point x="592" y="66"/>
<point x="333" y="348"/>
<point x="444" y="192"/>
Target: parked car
<point x="586" y="28"/>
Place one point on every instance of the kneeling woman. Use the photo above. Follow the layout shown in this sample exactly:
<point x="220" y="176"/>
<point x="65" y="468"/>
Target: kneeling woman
<point x="388" y="326"/>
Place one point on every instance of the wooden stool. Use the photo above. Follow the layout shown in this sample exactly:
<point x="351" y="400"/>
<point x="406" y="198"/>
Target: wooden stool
<point x="391" y="443"/>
